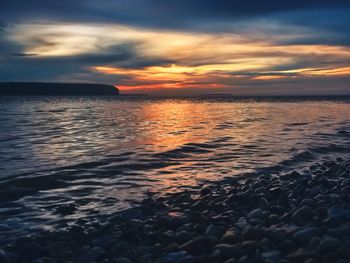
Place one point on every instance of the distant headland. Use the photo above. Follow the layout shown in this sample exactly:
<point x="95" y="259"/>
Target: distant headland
<point x="56" y="89"/>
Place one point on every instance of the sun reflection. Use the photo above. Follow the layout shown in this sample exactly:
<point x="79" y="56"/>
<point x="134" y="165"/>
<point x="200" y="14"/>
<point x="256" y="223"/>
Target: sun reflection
<point x="172" y="123"/>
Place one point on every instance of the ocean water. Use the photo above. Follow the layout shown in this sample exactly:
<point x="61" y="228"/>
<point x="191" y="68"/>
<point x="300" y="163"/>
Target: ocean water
<point x="104" y="154"/>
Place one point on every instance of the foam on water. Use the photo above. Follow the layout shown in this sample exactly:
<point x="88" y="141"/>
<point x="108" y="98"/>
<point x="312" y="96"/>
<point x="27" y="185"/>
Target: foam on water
<point x="103" y="154"/>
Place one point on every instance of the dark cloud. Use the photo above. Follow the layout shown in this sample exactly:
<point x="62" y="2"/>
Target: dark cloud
<point x="328" y="19"/>
<point x="2" y="26"/>
<point x="23" y="55"/>
<point x="29" y="67"/>
<point x="156" y="13"/>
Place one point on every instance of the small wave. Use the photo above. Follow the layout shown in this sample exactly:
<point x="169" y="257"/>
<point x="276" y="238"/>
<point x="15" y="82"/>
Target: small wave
<point x="190" y="149"/>
<point x="297" y="124"/>
<point x="307" y="155"/>
<point x="141" y="166"/>
<point x="20" y="187"/>
<point x="181" y="152"/>
<point x="344" y="132"/>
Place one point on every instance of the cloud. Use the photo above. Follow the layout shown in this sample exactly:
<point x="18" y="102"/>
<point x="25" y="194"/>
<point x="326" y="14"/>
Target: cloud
<point x="180" y="14"/>
<point x="2" y="26"/>
<point x="250" y="45"/>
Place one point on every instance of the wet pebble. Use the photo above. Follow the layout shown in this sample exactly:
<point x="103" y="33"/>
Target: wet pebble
<point x="339" y="232"/>
<point x="227" y="250"/>
<point x="122" y="260"/>
<point x="229" y="237"/>
<point x="252" y="233"/>
<point x="256" y="213"/>
<point x="175" y="257"/>
<point x="198" y="245"/>
<point x="272" y="255"/>
<point x="306" y="252"/>
<point x="329" y="244"/>
<point x="303" y="215"/>
<point x="303" y="236"/>
<point x="211" y="230"/>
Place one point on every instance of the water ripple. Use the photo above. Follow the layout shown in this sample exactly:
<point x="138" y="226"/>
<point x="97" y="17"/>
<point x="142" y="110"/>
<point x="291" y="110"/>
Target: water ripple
<point x="100" y="155"/>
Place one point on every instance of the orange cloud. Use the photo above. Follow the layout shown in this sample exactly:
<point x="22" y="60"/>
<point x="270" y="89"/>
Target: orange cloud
<point x="342" y="71"/>
<point x="270" y="77"/>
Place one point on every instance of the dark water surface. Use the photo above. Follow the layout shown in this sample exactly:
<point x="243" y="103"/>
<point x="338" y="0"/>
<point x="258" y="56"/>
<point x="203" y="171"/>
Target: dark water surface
<point x="103" y="154"/>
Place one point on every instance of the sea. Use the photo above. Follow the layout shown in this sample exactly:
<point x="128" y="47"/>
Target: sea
<point x="101" y="155"/>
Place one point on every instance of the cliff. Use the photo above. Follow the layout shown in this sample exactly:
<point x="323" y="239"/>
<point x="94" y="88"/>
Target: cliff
<point x="55" y="89"/>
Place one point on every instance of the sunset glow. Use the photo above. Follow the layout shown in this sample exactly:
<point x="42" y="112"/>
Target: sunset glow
<point x="220" y="56"/>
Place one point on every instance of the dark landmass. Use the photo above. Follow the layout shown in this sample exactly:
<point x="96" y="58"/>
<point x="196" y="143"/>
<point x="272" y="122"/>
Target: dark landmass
<point x="55" y="89"/>
<point x="294" y="217"/>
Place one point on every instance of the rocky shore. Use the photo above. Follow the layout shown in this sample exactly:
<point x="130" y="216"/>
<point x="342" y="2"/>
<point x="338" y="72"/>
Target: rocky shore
<point x="293" y="217"/>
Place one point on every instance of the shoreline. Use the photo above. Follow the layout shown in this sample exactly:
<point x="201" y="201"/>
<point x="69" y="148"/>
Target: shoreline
<point x="286" y="218"/>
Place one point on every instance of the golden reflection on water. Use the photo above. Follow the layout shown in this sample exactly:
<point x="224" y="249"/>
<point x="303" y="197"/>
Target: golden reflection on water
<point x="73" y="132"/>
<point x="173" y="123"/>
<point x="66" y="132"/>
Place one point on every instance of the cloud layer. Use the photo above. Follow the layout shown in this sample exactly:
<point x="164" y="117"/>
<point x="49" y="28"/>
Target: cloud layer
<point x="180" y="47"/>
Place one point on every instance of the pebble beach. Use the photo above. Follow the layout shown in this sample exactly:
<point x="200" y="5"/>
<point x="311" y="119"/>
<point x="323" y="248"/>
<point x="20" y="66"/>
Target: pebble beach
<point x="294" y="217"/>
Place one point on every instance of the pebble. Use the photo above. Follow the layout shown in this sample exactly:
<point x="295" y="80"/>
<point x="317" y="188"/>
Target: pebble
<point x="273" y="219"/>
<point x="97" y="251"/>
<point x="302" y="215"/>
<point x="211" y="231"/>
<point x="229" y="250"/>
<point x="256" y="213"/>
<point x="252" y="233"/>
<point x="183" y="236"/>
<point x="86" y="257"/>
<point x="275" y="236"/>
<point x="337" y="215"/>
<point x="339" y="232"/>
<point x="128" y="214"/>
<point x="263" y="203"/>
<point x="329" y="244"/>
<point x="272" y="255"/>
<point x="303" y="253"/>
<point x="229" y="237"/>
<point x="265" y="244"/>
<point x="256" y="222"/>
<point x="119" y="248"/>
<point x="175" y="257"/>
<point x="307" y="202"/>
<point x="199" y="245"/>
<point x="122" y="260"/>
<point x="303" y="236"/>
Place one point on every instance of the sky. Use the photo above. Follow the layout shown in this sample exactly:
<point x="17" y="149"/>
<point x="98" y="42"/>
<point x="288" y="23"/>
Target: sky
<point x="180" y="47"/>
